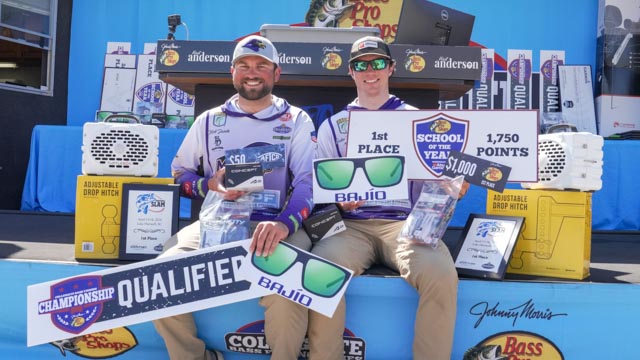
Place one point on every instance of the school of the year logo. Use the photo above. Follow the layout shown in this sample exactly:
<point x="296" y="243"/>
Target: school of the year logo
<point x="434" y="137"/>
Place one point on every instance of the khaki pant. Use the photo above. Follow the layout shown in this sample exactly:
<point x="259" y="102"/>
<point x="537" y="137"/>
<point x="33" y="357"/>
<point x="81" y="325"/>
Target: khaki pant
<point x="365" y="242"/>
<point x="180" y="333"/>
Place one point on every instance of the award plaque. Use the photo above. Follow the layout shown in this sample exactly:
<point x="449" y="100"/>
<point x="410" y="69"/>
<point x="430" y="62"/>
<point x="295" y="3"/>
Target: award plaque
<point x="149" y="218"/>
<point x="486" y="245"/>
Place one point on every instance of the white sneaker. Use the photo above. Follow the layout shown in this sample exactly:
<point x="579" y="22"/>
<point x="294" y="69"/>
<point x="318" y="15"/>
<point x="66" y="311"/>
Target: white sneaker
<point x="215" y="354"/>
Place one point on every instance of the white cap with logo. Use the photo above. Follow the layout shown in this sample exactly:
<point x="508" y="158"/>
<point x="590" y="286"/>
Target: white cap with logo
<point x="255" y="45"/>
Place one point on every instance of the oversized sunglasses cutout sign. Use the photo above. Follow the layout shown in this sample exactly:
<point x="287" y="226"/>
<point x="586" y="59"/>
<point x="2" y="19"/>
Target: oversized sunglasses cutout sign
<point x="375" y="178"/>
<point x="299" y="276"/>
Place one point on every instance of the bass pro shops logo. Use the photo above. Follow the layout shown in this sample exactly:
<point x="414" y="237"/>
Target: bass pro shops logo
<point x="99" y="345"/>
<point x="169" y="55"/>
<point x="435" y="137"/>
<point x="331" y="60"/>
<point x="76" y="303"/>
<point x="514" y="345"/>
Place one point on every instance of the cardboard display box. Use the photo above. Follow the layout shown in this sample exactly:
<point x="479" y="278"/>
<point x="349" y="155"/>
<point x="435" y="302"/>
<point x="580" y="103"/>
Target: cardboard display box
<point x="556" y="237"/>
<point x="617" y="76"/>
<point x="98" y="214"/>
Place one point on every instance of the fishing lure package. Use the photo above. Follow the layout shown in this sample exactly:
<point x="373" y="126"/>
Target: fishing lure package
<point x="431" y="214"/>
<point x="223" y="221"/>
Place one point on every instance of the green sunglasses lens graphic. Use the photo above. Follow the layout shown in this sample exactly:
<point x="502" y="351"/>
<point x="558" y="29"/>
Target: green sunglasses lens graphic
<point x="318" y="277"/>
<point x="278" y="262"/>
<point x="322" y="278"/>
<point x="383" y="171"/>
<point x="337" y="174"/>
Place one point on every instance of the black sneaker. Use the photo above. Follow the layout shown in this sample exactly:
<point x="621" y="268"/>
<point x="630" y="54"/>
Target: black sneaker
<point x="216" y="355"/>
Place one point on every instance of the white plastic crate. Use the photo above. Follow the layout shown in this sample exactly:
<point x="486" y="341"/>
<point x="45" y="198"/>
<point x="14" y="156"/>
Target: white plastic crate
<point x="569" y="160"/>
<point x="120" y="149"/>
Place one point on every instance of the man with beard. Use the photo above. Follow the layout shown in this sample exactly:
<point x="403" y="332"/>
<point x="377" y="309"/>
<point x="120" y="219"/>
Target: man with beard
<point x="251" y="118"/>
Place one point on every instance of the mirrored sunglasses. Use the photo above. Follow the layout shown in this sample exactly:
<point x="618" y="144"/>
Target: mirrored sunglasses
<point x="376" y="64"/>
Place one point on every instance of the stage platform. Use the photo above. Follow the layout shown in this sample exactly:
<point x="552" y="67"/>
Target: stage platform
<point x="615" y="255"/>
<point x="562" y="319"/>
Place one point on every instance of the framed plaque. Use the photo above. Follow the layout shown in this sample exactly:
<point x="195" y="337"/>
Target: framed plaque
<point x="486" y="245"/>
<point x="149" y="218"/>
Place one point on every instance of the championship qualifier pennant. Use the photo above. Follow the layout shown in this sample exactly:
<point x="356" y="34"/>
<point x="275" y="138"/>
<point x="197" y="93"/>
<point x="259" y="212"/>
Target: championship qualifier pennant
<point x="189" y="282"/>
<point x="477" y="171"/>
<point x="138" y="292"/>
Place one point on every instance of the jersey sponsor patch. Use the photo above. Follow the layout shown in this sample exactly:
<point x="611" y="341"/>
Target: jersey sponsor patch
<point x="270" y="156"/>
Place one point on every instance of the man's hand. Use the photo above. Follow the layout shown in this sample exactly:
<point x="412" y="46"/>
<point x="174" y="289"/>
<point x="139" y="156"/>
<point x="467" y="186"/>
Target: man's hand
<point x="450" y="189"/>
<point x="216" y="184"/>
<point x="463" y="189"/>
<point x="350" y="205"/>
<point x="267" y="236"/>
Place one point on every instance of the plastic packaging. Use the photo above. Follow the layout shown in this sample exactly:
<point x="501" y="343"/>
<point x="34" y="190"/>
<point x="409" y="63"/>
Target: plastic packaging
<point x="430" y="216"/>
<point x="223" y="221"/>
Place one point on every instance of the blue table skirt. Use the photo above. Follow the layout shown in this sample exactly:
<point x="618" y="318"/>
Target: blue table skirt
<point x="56" y="162"/>
<point x="56" y="157"/>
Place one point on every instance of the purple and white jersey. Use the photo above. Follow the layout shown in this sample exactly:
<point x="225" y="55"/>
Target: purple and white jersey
<point x="332" y="143"/>
<point x="287" y="195"/>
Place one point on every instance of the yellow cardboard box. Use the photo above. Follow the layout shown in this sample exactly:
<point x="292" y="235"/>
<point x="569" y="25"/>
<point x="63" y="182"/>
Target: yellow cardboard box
<point x="556" y="237"/>
<point x="98" y="205"/>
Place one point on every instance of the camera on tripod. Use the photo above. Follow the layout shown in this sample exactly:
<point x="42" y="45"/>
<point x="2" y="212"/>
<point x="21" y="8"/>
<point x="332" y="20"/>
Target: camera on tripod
<point x="173" y="20"/>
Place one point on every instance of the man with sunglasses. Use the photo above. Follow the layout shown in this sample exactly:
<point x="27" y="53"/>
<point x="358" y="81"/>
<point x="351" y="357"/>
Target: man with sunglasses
<point x="250" y="119"/>
<point x="373" y="228"/>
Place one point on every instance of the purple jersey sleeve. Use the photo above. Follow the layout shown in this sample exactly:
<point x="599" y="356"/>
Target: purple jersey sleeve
<point x="301" y="154"/>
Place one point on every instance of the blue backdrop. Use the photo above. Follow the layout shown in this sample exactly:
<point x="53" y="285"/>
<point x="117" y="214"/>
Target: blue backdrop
<point x="499" y="24"/>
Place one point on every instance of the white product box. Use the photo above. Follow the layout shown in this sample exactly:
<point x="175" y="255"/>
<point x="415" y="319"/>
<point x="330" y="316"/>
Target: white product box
<point x="576" y="89"/>
<point x="150" y="93"/>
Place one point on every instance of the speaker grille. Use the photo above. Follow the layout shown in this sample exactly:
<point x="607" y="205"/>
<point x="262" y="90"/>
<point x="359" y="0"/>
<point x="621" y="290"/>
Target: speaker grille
<point x="119" y="149"/>
<point x="555" y="160"/>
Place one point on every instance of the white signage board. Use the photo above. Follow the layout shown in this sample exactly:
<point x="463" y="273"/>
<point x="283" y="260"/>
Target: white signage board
<point x="380" y="178"/>
<point x="425" y="137"/>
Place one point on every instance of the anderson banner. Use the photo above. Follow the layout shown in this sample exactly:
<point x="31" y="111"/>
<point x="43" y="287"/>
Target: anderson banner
<point x="425" y="138"/>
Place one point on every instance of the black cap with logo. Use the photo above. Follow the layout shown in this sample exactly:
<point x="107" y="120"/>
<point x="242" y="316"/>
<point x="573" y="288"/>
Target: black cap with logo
<point x="369" y="45"/>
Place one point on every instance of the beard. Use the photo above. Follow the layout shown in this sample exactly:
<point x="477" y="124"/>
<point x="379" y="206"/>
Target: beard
<point x="253" y="93"/>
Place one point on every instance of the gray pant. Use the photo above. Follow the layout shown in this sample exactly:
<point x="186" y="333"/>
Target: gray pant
<point x="180" y="333"/>
<point x="365" y="242"/>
